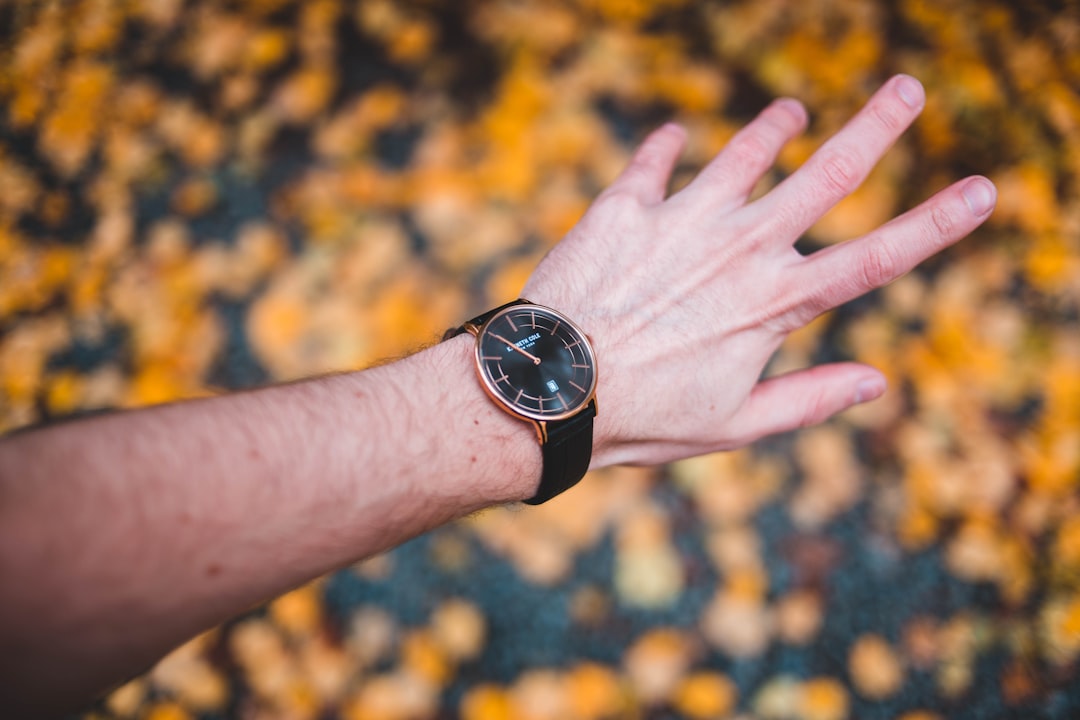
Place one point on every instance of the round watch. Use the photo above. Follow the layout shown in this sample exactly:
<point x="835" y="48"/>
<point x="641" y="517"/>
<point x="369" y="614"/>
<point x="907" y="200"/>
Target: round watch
<point x="537" y="365"/>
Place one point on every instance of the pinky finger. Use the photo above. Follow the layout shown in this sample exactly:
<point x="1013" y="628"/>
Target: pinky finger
<point x="647" y="175"/>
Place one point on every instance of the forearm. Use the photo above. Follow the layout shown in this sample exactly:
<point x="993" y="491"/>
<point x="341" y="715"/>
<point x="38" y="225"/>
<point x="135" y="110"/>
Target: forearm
<point x="168" y="520"/>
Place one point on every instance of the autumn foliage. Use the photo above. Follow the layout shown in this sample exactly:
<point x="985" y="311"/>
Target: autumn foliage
<point x="206" y="195"/>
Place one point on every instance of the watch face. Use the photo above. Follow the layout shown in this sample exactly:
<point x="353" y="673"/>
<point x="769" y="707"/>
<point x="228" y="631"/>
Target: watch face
<point x="536" y="362"/>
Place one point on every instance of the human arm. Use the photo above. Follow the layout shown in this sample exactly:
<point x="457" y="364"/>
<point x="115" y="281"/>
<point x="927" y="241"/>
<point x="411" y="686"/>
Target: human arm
<point x="123" y="535"/>
<point x="168" y="520"/>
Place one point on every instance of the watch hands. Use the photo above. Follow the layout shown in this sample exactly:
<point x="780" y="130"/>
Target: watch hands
<point x="512" y="346"/>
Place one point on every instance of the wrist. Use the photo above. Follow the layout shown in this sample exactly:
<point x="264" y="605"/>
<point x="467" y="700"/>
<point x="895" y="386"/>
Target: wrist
<point x="538" y="366"/>
<point x="609" y="446"/>
<point x="496" y="458"/>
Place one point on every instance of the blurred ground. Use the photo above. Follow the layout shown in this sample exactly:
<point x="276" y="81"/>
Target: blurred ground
<point x="200" y="196"/>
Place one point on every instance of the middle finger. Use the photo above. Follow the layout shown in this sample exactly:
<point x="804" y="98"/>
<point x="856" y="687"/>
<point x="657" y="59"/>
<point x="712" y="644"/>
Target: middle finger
<point x="843" y="162"/>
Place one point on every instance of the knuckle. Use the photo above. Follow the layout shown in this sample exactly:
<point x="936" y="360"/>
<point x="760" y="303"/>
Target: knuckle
<point x="785" y="221"/>
<point x="752" y="148"/>
<point x="790" y="305"/>
<point x="619" y="199"/>
<point x="880" y="265"/>
<point x="657" y="150"/>
<point x="840" y="172"/>
<point x="805" y="306"/>
<point x="814" y="410"/>
<point x="647" y="158"/>
<point x="940" y="224"/>
<point x="887" y="115"/>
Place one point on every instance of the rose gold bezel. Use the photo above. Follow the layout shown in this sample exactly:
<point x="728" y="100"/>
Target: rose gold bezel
<point x="489" y="387"/>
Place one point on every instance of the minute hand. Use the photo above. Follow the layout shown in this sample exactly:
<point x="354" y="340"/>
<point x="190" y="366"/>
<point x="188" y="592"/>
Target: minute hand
<point x="512" y="346"/>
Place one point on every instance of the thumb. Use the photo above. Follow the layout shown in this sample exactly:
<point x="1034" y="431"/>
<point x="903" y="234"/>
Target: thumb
<point x="805" y="397"/>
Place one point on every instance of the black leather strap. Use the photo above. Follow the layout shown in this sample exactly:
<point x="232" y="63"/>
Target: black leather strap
<point x="481" y="319"/>
<point x="568" y="450"/>
<point x="566" y="453"/>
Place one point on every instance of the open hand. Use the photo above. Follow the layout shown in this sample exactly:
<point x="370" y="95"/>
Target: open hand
<point x="687" y="297"/>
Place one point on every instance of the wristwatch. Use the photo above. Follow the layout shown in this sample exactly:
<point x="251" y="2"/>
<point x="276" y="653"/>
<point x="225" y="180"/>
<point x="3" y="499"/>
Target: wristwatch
<point x="537" y="365"/>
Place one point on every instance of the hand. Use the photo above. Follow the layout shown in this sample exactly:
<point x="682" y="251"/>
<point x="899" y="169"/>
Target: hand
<point x="687" y="298"/>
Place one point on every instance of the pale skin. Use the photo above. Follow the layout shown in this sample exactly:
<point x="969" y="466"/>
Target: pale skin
<point x="123" y="535"/>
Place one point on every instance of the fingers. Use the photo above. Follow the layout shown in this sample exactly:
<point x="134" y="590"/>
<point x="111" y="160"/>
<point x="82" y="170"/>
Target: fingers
<point x="647" y="175"/>
<point x="733" y="173"/>
<point x="843" y="272"/>
<point x="805" y="397"/>
<point x="844" y="161"/>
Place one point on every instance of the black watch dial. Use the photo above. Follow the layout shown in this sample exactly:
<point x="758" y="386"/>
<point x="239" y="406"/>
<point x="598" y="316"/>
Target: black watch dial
<point x="536" y="362"/>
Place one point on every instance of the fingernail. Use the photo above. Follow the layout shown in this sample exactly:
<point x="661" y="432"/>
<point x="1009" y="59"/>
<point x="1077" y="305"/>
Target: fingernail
<point x="792" y="107"/>
<point x="980" y="196"/>
<point x="910" y="91"/>
<point x="869" y="389"/>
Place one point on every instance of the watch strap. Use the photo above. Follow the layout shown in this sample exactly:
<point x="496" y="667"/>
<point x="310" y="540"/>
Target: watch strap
<point x="566" y="454"/>
<point x="478" y="321"/>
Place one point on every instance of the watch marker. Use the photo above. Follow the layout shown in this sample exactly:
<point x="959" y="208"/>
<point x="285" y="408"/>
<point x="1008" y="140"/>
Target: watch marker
<point x="509" y="320"/>
<point x="581" y="389"/>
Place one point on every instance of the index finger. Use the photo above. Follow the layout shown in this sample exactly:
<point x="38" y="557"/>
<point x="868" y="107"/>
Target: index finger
<point x="843" y="272"/>
<point x="843" y="162"/>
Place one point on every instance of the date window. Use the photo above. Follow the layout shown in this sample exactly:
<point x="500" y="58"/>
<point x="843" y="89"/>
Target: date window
<point x="553" y="386"/>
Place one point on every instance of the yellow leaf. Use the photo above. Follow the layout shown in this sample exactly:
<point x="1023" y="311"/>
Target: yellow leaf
<point x="706" y="696"/>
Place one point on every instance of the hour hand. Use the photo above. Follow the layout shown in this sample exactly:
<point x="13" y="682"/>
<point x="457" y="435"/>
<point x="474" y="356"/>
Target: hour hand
<point x="512" y="346"/>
